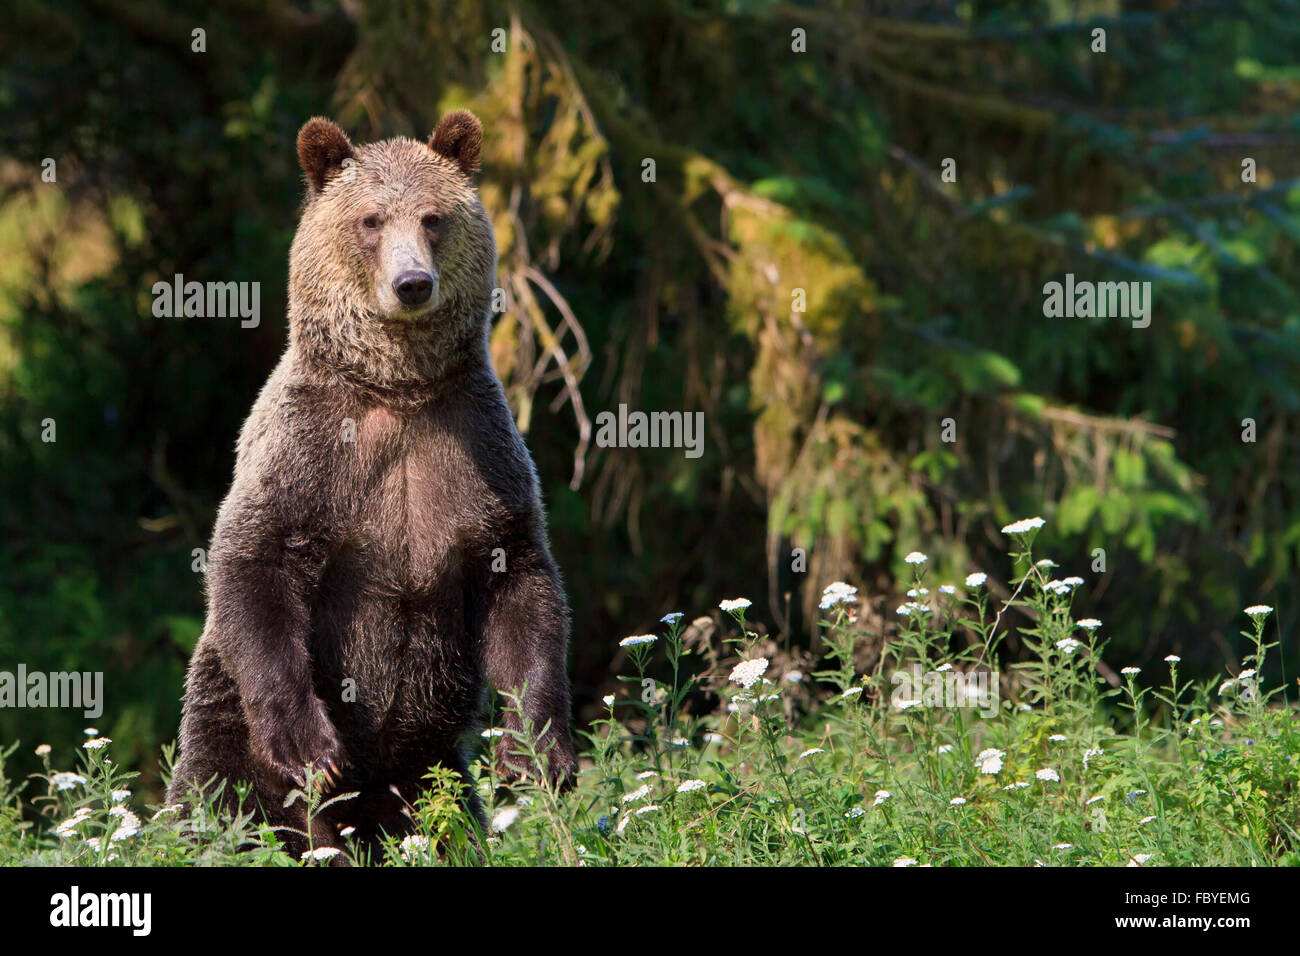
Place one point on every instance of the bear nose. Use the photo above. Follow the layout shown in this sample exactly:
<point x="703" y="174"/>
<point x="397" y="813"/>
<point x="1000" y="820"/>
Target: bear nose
<point x="413" y="287"/>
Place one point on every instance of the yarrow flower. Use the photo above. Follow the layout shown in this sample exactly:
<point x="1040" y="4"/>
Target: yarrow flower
<point x="735" y="604"/>
<point x="321" y="853"/>
<point x="905" y="861"/>
<point x="1018" y="785"/>
<point x="747" y="673"/>
<point x="97" y="743"/>
<point x="1131" y="671"/>
<point x="990" y="760"/>
<point x="671" y="618"/>
<point x="42" y="750"/>
<point x="636" y="639"/>
<point x="956" y="801"/>
<point x="915" y="592"/>
<point x="689" y="786"/>
<point x="851" y="692"/>
<point x="1063" y="846"/>
<point x="1024" y="526"/>
<point x="881" y="797"/>
<point x="1089" y="623"/>
<point x="1259" y="610"/>
<point x="1068" y="645"/>
<point x="1139" y="859"/>
<point x="912" y="607"/>
<point x="810" y="751"/>
<point x="66" y="781"/>
<point x="943" y="749"/>
<point x="855" y="812"/>
<point x="66" y="828"/>
<point x="976" y="579"/>
<point x="415" y="843"/>
<point x="838" y="593"/>
<point x="649" y="808"/>
<point x="1089" y="754"/>
<point x="1057" y="738"/>
<point x="1172" y="659"/>
<point x="916" y="557"/>
<point x="609" y="700"/>
<point x="502" y="819"/>
<point x="947" y="589"/>
<point x="1047" y="773"/>
<point x="640" y="793"/>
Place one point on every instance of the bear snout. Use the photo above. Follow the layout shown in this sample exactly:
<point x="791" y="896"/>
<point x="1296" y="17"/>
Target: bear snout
<point x="413" y="287"/>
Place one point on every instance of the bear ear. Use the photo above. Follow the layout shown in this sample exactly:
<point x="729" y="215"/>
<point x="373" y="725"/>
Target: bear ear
<point x="459" y="137"/>
<point x="322" y="147"/>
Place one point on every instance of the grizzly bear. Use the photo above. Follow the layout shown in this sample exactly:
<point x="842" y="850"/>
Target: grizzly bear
<point x="382" y="551"/>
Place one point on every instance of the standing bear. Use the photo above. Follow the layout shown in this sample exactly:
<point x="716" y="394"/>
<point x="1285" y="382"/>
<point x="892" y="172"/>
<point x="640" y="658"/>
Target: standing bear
<point x="382" y="550"/>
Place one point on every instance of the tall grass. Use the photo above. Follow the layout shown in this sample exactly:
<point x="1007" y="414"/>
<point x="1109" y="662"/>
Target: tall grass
<point x="1057" y="761"/>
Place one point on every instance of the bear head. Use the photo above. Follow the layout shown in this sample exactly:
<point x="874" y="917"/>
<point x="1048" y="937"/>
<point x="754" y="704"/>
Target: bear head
<point x="393" y="265"/>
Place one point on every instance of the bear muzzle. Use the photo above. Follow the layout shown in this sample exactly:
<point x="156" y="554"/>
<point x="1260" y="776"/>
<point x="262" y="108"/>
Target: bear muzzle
<point x="413" y="287"/>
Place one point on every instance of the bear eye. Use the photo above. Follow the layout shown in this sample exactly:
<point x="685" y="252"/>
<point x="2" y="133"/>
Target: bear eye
<point x="371" y="222"/>
<point x="431" y="221"/>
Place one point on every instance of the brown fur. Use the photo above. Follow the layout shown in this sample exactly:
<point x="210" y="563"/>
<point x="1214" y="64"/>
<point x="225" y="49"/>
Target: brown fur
<point x="371" y="560"/>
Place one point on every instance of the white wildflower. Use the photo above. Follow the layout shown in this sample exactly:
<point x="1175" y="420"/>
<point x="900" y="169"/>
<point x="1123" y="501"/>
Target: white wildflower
<point x="66" y="781"/>
<point x="881" y="797"/>
<point x="690" y="786"/>
<point x="916" y="557"/>
<point x="502" y="819"/>
<point x="638" y="639"/>
<point x="838" y="593"/>
<point x="1024" y="526"/>
<point x="976" y="579"/>
<point x="990" y="760"/>
<point x="415" y="843"/>
<point x="735" y="604"/>
<point x="747" y="673"/>
<point x="1049" y="774"/>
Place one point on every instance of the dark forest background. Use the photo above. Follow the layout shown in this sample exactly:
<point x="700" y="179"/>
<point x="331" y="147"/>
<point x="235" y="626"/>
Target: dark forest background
<point x="775" y="170"/>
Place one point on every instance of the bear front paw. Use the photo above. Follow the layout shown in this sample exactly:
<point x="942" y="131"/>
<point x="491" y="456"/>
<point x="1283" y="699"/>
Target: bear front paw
<point x="286" y="747"/>
<point x="561" y="765"/>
